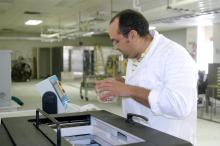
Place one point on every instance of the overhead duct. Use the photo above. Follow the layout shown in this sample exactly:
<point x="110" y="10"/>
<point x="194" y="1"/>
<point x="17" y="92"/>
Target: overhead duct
<point x="181" y="9"/>
<point x="88" y="25"/>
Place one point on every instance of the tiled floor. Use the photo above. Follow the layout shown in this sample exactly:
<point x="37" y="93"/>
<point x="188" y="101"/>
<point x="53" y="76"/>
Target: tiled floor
<point x="208" y="133"/>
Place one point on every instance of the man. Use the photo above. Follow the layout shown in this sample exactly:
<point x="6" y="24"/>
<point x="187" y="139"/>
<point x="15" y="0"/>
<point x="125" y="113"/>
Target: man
<point x="161" y="77"/>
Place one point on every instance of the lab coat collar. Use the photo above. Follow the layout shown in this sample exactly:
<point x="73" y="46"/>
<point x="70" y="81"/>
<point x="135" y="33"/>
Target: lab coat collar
<point x="155" y="35"/>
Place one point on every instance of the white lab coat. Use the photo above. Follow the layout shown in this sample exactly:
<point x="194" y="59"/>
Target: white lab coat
<point x="171" y="75"/>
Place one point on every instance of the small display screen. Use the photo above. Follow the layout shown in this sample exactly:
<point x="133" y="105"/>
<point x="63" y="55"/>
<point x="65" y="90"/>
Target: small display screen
<point x="59" y="89"/>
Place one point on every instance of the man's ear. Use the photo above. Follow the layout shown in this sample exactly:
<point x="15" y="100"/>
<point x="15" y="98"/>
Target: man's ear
<point x="132" y="34"/>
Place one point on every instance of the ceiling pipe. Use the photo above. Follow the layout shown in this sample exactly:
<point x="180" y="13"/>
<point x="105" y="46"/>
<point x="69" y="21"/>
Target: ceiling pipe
<point x="183" y="13"/>
<point x="170" y="3"/>
<point x="4" y="38"/>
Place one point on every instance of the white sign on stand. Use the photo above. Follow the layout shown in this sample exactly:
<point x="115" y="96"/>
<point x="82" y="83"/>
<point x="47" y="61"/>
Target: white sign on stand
<point x="53" y="84"/>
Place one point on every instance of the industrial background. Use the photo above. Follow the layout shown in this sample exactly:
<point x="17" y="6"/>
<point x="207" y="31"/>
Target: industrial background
<point x="71" y="41"/>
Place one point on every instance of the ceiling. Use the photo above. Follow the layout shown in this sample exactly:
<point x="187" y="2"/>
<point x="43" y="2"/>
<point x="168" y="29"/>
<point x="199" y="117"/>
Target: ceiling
<point x="69" y="19"/>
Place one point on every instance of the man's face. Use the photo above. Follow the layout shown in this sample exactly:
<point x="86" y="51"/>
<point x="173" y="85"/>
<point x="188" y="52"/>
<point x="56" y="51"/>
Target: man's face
<point x="123" y="44"/>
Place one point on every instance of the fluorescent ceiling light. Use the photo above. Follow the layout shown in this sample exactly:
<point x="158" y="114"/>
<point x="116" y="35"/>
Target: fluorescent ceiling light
<point x="33" y="22"/>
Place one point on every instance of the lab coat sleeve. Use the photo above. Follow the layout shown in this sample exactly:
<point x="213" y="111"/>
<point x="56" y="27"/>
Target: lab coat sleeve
<point x="176" y="96"/>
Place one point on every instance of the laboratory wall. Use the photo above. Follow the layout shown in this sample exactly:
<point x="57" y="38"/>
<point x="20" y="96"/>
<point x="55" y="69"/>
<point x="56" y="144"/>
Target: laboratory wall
<point x="186" y="37"/>
<point x="216" y="43"/>
<point x="191" y="41"/>
<point x="28" y="49"/>
<point x="177" y="35"/>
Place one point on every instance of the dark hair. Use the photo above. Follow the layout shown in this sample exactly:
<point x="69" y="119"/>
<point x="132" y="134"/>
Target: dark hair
<point x="132" y="20"/>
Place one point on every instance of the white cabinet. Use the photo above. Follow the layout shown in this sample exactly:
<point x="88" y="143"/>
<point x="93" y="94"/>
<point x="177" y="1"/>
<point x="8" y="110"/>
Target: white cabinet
<point x="5" y="75"/>
<point x="5" y="82"/>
